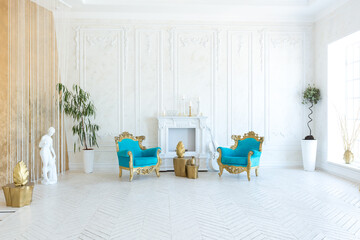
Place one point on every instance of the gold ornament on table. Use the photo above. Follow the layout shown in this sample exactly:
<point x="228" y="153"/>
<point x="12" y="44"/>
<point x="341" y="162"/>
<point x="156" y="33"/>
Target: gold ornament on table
<point x="19" y="193"/>
<point x="192" y="168"/>
<point x="21" y="174"/>
<point x="180" y="150"/>
<point x="349" y="137"/>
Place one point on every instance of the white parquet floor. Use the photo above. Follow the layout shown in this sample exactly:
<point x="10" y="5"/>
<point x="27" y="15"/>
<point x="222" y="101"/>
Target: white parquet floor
<point x="279" y="204"/>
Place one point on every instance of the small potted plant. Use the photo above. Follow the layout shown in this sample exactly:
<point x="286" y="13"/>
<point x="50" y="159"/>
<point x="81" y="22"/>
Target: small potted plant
<point x="311" y="96"/>
<point x="78" y="106"/>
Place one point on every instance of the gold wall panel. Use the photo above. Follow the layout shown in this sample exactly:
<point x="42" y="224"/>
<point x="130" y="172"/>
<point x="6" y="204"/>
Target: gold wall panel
<point x="3" y="88"/>
<point x="28" y="87"/>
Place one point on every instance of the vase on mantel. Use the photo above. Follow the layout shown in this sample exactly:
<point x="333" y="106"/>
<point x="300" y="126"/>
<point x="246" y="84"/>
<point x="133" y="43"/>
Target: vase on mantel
<point x="348" y="156"/>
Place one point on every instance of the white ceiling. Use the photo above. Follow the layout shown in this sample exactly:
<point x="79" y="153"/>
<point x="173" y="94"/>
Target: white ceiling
<point x="228" y="10"/>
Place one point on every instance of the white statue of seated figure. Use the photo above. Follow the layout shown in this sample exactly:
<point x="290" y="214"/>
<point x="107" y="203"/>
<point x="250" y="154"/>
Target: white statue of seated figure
<point x="48" y="157"/>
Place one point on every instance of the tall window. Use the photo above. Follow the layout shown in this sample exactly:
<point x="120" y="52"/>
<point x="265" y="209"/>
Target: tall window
<point x="352" y="95"/>
<point x="343" y="94"/>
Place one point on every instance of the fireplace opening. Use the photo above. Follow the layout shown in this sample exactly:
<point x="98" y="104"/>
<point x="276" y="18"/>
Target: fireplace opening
<point x="186" y="135"/>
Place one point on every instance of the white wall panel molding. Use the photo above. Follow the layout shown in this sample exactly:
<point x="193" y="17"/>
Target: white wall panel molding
<point x="87" y="37"/>
<point x="278" y="46"/>
<point x="239" y="43"/>
<point x="238" y="70"/>
<point x="149" y="45"/>
<point x="197" y="38"/>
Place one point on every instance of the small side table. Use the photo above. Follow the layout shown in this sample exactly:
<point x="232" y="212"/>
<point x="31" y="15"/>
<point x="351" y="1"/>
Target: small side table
<point x="180" y="166"/>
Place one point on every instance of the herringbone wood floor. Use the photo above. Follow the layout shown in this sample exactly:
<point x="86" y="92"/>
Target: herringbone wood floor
<point x="279" y="204"/>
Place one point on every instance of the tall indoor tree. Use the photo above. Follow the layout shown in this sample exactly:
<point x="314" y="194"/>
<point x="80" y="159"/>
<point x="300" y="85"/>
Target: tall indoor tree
<point x="77" y="105"/>
<point x="311" y="96"/>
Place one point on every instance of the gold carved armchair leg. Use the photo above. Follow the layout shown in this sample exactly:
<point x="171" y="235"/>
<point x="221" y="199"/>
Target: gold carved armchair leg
<point x="120" y="172"/>
<point x="221" y="168"/>
<point x="157" y="169"/>
<point x="248" y="174"/>
<point x="248" y="168"/>
<point x="131" y="175"/>
<point x="256" y="171"/>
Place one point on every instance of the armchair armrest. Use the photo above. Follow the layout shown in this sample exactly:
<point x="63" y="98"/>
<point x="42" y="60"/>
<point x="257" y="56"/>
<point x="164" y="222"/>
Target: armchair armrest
<point x="225" y="151"/>
<point x="151" y="152"/>
<point x="123" y="153"/>
<point x="253" y="158"/>
<point x="255" y="153"/>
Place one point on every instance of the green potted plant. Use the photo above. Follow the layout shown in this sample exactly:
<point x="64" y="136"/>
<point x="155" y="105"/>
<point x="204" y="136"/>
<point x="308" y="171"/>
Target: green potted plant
<point x="77" y="105"/>
<point x="311" y="96"/>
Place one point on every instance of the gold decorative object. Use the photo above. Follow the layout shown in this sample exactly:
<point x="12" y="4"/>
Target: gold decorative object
<point x="180" y="150"/>
<point x="21" y="174"/>
<point x="192" y="161"/>
<point x="19" y="193"/>
<point x="192" y="171"/>
<point x="238" y="169"/>
<point x="185" y="167"/>
<point x="180" y="166"/>
<point x="348" y="156"/>
<point x="350" y="132"/>
<point x="190" y="111"/>
<point x="131" y="168"/>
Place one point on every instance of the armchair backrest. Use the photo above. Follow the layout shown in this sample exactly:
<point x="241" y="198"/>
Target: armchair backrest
<point x="244" y="144"/>
<point x="128" y="142"/>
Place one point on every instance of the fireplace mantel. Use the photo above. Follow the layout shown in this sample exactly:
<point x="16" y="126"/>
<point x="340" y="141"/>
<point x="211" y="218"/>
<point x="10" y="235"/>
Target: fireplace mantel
<point x="190" y="130"/>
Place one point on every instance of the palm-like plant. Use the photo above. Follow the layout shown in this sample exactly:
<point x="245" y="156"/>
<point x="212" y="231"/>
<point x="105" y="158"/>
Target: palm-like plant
<point x="77" y="104"/>
<point x="311" y="96"/>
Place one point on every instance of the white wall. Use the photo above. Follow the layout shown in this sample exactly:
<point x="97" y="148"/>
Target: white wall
<point x="249" y="77"/>
<point x="342" y="22"/>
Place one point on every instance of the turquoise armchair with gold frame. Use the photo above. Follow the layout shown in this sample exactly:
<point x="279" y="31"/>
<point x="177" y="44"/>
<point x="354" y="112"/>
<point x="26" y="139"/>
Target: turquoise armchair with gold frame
<point x="243" y="156"/>
<point x="133" y="156"/>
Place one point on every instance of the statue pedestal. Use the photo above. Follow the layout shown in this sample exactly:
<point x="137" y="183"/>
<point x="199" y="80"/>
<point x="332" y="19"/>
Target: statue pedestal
<point x="18" y="196"/>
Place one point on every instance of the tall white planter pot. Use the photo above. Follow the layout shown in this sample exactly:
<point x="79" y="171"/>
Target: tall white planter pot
<point x="309" y="154"/>
<point x="88" y="158"/>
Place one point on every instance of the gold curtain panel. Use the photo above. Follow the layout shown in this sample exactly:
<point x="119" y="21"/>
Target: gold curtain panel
<point x="28" y="75"/>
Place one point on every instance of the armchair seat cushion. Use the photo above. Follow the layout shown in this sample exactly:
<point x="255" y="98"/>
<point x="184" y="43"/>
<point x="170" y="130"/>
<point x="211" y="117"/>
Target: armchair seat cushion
<point x="240" y="161"/>
<point x="234" y="160"/>
<point x="145" y="161"/>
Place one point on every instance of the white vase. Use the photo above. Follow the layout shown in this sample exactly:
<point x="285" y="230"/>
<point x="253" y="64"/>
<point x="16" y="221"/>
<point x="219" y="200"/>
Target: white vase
<point x="309" y="154"/>
<point x="88" y="158"/>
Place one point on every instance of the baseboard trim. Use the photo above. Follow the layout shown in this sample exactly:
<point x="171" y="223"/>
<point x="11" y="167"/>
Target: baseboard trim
<point x="78" y="166"/>
<point x="97" y="166"/>
<point x="341" y="171"/>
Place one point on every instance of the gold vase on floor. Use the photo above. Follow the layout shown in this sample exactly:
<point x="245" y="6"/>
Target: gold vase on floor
<point x="348" y="156"/>
<point x="19" y="193"/>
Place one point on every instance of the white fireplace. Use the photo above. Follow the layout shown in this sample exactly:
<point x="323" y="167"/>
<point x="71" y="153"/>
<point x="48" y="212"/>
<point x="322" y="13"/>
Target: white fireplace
<point x="191" y="131"/>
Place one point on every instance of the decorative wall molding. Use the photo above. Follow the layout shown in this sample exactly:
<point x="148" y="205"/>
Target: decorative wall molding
<point x="242" y="37"/>
<point x="108" y="41"/>
<point x="114" y="38"/>
<point x="278" y="41"/>
<point x="153" y="58"/>
<point x="285" y="40"/>
<point x="196" y="40"/>
<point x="138" y="67"/>
<point x="261" y="44"/>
